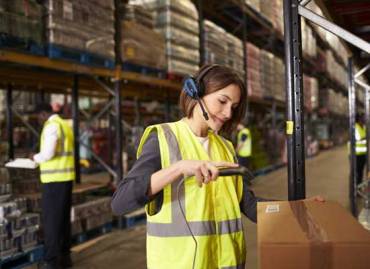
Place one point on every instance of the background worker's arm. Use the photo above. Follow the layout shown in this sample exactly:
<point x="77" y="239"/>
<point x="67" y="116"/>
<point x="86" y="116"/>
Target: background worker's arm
<point x="50" y="142"/>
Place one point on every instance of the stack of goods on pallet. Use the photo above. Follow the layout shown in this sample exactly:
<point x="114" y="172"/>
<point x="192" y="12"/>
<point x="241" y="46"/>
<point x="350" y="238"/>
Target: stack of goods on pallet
<point x="177" y="21"/>
<point x="323" y="134"/>
<point x="91" y="214"/>
<point x="311" y="93"/>
<point x="267" y="73"/>
<point x="235" y="54"/>
<point x="279" y="15"/>
<point x="278" y="89"/>
<point x="253" y="71"/>
<point x="140" y="43"/>
<point x="19" y="229"/>
<point x="335" y="70"/>
<point x="86" y="26"/>
<point x="337" y="46"/>
<point x="216" y="44"/>
<point x="337" y="103"/>
<point x="20" y="22"/>
<point x="255" y="4"/>
<point x="267" y="9"/>
<point x="309" y="47"/>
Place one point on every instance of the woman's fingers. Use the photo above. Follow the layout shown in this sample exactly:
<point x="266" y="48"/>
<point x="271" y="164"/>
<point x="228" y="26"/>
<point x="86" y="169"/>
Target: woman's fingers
<point x="199" y="177"/>
<point x="213" y="171"/>
<point x="205" y="173"/>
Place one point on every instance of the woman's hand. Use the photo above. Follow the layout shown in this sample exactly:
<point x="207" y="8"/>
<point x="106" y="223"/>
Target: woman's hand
<point x="204" y="171"/>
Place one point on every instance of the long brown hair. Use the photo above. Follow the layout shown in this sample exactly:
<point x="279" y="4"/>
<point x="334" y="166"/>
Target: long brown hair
<point x="217" y="78"/>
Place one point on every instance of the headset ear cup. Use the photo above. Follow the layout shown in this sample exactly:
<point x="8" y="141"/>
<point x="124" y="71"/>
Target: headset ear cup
<point x="190" y="87"/>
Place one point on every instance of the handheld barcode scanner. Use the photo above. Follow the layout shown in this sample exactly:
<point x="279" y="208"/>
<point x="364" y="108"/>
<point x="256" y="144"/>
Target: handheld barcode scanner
<point x="233" y="171"/>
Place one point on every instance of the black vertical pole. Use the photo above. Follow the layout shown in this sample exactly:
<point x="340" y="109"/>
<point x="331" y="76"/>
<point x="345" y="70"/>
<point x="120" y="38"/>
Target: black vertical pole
<point x="110" y="140"/>
<point x="352" y="121"/>
<point x="9" y="121"/>
<point x="117" y="89"/>
<point x="202" y="55"/>
<point x="294" y="99"/>
<point x="245" y="63"/>
<point x="76" y="123"/>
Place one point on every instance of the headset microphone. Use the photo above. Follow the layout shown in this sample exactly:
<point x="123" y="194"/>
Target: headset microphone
<point x="205" y="114"/>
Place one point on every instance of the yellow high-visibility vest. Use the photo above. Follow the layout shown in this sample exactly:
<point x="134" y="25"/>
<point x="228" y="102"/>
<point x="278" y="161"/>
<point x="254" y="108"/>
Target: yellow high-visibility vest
<point x="213" y="211"/>
<point x="360" y="135"/>
<point x="246" y="149"/>
<point x="61" y="167"/>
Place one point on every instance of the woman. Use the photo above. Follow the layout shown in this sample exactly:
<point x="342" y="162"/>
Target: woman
<point x="176" y="177"/>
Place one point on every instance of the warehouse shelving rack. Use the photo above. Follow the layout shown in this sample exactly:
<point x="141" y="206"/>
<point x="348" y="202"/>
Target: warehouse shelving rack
<point x="293" y="10"/>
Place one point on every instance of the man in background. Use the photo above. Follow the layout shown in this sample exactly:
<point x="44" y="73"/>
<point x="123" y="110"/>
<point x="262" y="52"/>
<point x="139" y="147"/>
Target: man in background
<point x="244" y="147"/>
<point x="57" y="173"/>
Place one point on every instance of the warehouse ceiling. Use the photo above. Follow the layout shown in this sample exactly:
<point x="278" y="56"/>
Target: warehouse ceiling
<point x="353" y="16"/>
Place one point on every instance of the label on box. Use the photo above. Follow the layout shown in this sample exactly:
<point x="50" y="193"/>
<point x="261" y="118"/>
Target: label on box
<point x="272" y="208"/>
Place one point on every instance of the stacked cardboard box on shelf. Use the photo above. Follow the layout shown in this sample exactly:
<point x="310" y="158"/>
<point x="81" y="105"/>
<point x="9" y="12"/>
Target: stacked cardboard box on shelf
<point x="142" y="45"/>
<point x="177" y="22"/>
<point x="21" y="19"/>
<point x="18" y="228"/>
<point x="235" y="54"/>
<point x="215" y="44"/>
<point x="267" y="9"/>
<point x="311" y="93"/>
<point x="278" y="88"/>
<point x="255" y="4"/>
<point x="91" y="214"/>
<point x="267" y="72"/>
<point x="253" y="71"/>
<point x="335" y="70"/>
<point x="138" y="14"/>
<point x="82" y="25"/>
<point x="309" y="46"/>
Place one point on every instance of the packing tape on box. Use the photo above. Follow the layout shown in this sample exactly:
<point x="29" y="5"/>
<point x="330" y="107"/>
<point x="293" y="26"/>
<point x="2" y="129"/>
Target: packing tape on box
<point x="321" y="248"/>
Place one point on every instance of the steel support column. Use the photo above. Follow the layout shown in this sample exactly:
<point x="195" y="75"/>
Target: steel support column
<point x="367" y="124"/>
<point x="202" y="55"/>
<point x="9" y="121"/>
<point x="119" y="131"/>
<point x="352" y="120"/>
<point x="294" y="100"/>
<point x="76" y="128"/>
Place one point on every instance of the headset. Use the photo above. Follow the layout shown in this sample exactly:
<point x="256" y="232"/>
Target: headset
<point x="194" y="87"/>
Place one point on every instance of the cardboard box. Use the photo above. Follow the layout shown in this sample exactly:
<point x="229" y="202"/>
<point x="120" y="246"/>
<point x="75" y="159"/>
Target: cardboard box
<point x="310" y="235"/>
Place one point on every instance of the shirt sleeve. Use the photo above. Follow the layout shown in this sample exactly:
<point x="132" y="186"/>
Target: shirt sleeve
<point x="50" y="144"/>
<point x="131" y="192"/>
<point x="248" y="204"/>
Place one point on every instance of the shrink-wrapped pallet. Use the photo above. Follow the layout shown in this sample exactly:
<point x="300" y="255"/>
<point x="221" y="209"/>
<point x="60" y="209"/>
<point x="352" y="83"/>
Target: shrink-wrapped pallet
<point x="267" y="73"/>
<point x="215" y="44"/>
<point x="255" y="4"/>
<point x="177" y="22"/>
<point x="253" y="71"/>
<point x="22" y="20"/>
<point x="278" y="88"/>
<point x="82" y="25"/>
<point x="139" y="15"/>
<point x="235" y="55"/>
<point x="143" y="46"/>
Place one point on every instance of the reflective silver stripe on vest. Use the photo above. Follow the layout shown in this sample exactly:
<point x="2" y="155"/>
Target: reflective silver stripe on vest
<point x="178" y="226"/>
<point x="55" y="171"/>
<point x="230" y="226"/>
<point x="240" y="266"/>
<point x="198" y="228"/>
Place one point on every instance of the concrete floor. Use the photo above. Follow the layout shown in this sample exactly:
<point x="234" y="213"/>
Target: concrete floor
<point x="326" y="174"/>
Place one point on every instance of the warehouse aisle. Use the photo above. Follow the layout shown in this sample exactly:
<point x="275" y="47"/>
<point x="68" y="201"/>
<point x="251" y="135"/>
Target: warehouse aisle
<point x="327" y="174"/>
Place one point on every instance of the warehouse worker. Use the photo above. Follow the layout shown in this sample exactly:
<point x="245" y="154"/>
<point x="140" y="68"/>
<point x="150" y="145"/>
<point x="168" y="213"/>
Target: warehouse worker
<point x="244" y="147"/>
<point x="193" y="217"/>
<point x="57" y="174"/>
<point x="360" y="136"/>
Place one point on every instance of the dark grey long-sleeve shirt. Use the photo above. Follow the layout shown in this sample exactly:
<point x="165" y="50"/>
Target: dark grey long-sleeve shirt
<point x="131" y="192"/>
